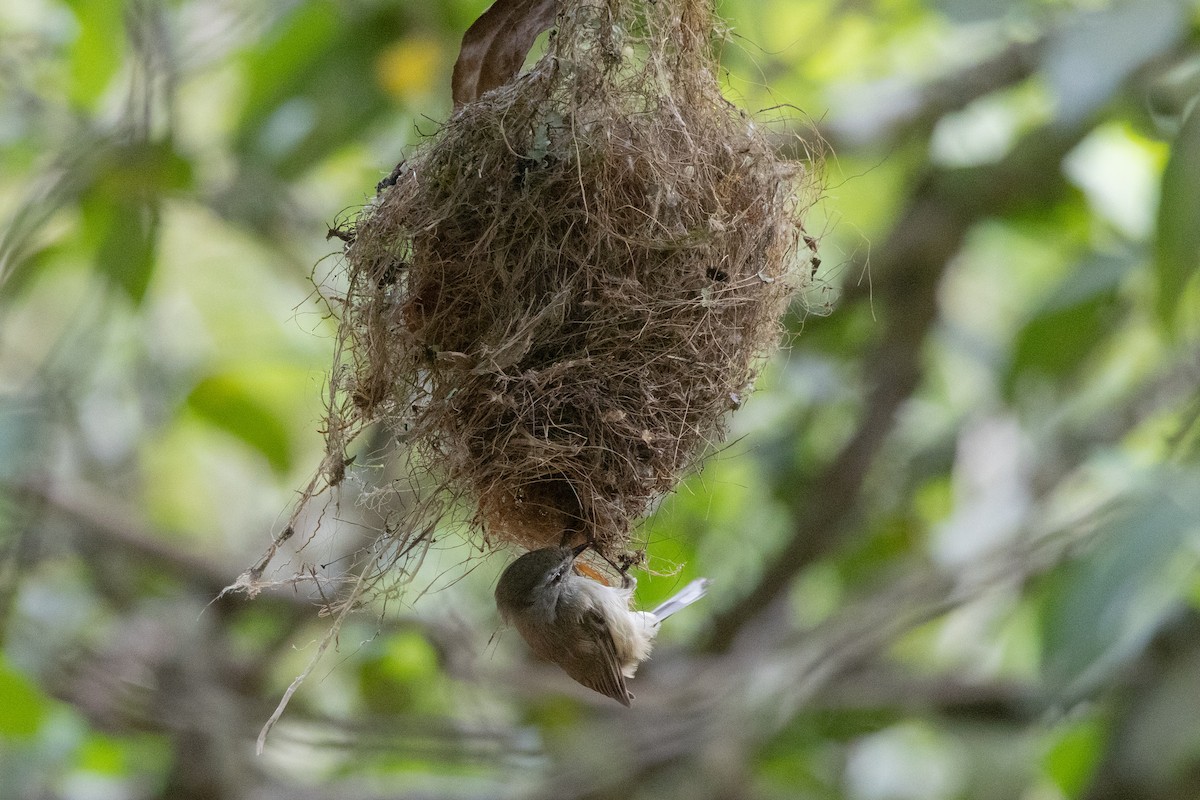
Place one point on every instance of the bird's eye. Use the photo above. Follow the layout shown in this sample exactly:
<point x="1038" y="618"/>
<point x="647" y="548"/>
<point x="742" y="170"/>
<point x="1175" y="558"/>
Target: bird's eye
<point x="556" y="576"/>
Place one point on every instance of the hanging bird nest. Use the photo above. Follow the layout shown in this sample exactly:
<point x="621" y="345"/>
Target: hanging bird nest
<point x="557" y="300"/>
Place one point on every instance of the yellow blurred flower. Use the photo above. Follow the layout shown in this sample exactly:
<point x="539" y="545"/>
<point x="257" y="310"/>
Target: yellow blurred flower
<point x="408" y="67"/>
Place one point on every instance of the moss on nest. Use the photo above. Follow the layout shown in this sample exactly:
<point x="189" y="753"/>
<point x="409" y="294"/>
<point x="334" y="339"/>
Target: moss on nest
<point x="557" y="300"/>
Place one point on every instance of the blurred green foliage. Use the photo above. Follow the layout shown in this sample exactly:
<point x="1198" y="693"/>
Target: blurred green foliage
<point x="953" y="536"/>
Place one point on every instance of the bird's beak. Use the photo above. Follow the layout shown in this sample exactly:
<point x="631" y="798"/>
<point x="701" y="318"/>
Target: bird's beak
<point x="581" y="548"/>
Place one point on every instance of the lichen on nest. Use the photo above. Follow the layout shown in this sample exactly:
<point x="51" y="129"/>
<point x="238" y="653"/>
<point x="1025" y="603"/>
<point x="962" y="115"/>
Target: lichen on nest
<point x="557" y="300"/>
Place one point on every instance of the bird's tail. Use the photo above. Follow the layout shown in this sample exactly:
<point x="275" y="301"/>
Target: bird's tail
<point x="682" y="599"/>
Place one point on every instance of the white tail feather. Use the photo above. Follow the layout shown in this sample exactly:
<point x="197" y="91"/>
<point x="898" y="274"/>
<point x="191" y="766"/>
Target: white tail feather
<point x="682" y="599"/>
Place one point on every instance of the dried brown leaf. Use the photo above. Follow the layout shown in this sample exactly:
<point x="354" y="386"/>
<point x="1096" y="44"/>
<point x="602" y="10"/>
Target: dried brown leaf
<point x="495" y="46"/>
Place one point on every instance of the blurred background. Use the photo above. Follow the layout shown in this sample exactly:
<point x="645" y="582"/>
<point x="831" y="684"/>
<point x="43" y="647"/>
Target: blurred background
<point x="954" y="536"/>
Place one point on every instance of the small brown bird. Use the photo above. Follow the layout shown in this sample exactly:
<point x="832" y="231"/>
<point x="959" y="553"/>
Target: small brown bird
<point x="582" y="625"/>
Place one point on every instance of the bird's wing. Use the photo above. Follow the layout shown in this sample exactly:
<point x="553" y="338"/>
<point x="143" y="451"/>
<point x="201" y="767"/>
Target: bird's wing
<point x="599" y="669"/>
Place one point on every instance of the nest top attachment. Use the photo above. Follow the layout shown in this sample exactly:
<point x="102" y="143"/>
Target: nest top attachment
<point x="557" y="300"/>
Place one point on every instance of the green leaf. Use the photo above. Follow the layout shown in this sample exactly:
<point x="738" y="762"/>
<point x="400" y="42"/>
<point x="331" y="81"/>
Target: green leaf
<point x="103" y="754"/>
<point x="1072" y="759"/>
<point x="1072" y="321"/>
<point x="226" y="402"/>
<point x="142" y="169"/>
<point x="402" y="676"/>
<point x="124" y="756"/>
<point x="1099" y="610"/>
<point x="22" y="706"/>
<point x="120" y="209"/>
<point x="127" y="246"/>
<point x="98" y="51"/>
<point x="1178" y="245"/>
